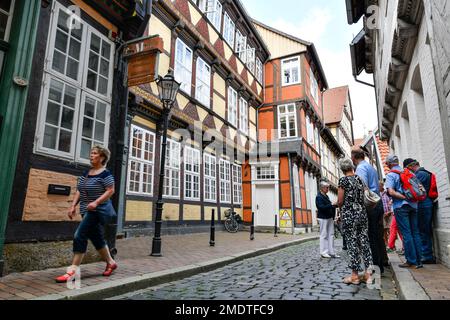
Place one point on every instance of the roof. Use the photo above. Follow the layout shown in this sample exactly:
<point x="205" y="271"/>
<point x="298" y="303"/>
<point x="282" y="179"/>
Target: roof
<point x="334" y="101"/>
<point x="384" y="153"/>
<point x="308" y="44"/>
<point x="359" y="142"/>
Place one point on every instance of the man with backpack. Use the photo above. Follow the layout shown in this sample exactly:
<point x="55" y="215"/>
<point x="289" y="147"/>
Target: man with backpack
<point x="425" y="209"/>
<point x="406" y="191"/>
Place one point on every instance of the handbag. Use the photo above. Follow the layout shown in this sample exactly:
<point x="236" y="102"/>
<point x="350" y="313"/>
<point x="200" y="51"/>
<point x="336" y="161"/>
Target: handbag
<point x="371" y="199"/>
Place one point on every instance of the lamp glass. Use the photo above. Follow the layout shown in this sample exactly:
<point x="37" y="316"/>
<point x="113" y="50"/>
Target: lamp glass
<point x="168" y="89"/>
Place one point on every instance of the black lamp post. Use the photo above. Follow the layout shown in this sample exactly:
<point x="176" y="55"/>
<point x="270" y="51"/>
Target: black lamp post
<point x="168" y="89"/>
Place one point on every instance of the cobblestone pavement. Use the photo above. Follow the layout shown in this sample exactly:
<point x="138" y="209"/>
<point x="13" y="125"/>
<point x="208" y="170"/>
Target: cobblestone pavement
<point x="295" y="273"/>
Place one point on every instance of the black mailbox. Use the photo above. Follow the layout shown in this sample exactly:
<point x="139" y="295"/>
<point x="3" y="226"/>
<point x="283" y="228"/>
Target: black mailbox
<point x="59" y="190"/>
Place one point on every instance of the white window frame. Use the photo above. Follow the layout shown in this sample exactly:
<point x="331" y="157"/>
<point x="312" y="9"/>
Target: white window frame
<point x="79" y="84"/>
<point x="8" y="22"/>
<point x="309" y="131"/>
<point x="213" y="10"/>
<point x="141" y="160"/>
<point x="210" y="162"/>
<point x="314" y="86"/>
<point x="243" y="116"/>
<point x="192" y="170"/>
<point x="287" y="115"/>
<point x="173" y="164"/>
<point x="241" y="46"/>
<point x="288" y="65"/>
<point x="251" y="56"/>
<point x="237" y="184"/>
<point x="225" y="181"/>
<point x="229" y="29"/>
<point x="183" y="66"/>
<point x="297" y="195"/>
<point x="259" y="70"/>
<point x="266" y="172"/>
<point x="203" y="82"/>
<point x="232" y="107"/>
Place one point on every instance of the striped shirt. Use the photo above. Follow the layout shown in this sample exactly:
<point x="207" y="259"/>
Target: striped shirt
<point x="93" y="187"/>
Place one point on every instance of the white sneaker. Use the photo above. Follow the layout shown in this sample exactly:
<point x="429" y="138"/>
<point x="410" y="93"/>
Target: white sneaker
<point x="326" y="256"/>
<point x="335" y="256"/>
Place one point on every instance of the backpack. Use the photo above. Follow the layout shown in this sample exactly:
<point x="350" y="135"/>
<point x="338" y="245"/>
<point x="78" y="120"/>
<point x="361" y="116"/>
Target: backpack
<point x="413" y="189"/>
<point x="433" y="193"/>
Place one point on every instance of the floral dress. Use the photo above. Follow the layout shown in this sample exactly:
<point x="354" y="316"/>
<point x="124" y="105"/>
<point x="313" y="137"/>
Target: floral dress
<point x="355" y="223"/>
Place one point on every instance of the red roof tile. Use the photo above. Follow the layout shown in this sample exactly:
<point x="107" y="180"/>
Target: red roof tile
<point x="334" y="101"/>
<point x="383" y="147"/>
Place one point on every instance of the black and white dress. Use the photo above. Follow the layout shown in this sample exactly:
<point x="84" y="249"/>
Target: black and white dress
<point x="355" y="223"/>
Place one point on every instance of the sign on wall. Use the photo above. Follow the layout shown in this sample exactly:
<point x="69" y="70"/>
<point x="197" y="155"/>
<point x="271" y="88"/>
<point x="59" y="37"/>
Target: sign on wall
<point x="285" y="218"/>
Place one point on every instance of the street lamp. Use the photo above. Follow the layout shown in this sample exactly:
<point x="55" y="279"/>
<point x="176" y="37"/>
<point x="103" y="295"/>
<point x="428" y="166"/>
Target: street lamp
<point x="168" y="88"/>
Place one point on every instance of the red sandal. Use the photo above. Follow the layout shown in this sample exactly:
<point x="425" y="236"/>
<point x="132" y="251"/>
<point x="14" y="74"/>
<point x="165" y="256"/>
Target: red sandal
<point x="65" y="278"/>
<point x="109" y="269"/>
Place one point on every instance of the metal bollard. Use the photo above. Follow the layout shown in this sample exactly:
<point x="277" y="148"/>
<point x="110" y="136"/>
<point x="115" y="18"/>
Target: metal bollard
<point x="252" y="228"/>
<point x="212" y="240"/>
<point x="276" y="226"/>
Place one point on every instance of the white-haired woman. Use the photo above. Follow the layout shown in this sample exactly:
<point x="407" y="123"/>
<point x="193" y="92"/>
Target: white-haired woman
<point x="95" y="189"/>
<point x="326" y="213"/>
<point x="354" y="222"/>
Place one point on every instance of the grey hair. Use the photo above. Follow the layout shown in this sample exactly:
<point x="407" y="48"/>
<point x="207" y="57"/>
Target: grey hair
<point x="324" y="184"/>
<point x="346" y="165"/>
<point x="104" y="152"/>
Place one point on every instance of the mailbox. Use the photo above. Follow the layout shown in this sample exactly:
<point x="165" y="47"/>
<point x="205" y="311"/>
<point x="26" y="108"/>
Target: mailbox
<point x="59" y="190"/>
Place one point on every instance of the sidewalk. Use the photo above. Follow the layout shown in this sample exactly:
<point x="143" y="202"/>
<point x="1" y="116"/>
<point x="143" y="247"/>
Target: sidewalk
<point x="430" y="283"/>
<point x="183" y="256"/>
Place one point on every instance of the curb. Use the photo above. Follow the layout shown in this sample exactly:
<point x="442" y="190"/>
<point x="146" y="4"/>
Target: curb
<point x="408" y="287"/>
<point x="127" y="285"/>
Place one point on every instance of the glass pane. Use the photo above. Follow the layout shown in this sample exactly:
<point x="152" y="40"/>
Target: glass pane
<point x="89" y="109"/>
<point x="92" y="80"/>
<point x="53" y="114"/>
<point x="93" y="61"/>
<point x="101" y="112"/>
<point x="95" y="43"/>
<point x="85" y="149"/>
<point x="102" y="85"/>
<point x="56" y="89"/>
<point x="72" y="69"/>
<point x="64" y="141"/>
<point x="78" y="33"/>
<point x="59" y="61"/>
<point x="74" y="49"/>
<point x="88" y="128"/>
<point x="5" y="5"/>
<point x="3" y="22"/>
<point x="61" y="41"/>
<point x="63" y="21"/>
<point x="50" y="137"/>
<point x="99" y="131"/>
<point x="67" y="118"/>
<point x="70" y="97"/>
<point x="106" y="50"/>
<point x="104" y="68"/>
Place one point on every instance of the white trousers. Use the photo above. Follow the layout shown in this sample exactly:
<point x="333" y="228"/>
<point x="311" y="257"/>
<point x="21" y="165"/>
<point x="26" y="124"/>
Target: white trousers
<point x="327" y="236"/>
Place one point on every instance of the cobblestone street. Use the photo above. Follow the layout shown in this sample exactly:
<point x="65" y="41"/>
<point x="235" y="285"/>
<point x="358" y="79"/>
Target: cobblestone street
<point x="295" y="273"/>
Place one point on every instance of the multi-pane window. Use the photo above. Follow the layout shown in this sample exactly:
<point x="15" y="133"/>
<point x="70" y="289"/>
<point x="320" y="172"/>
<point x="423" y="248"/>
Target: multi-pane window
<point x="259" y="70"/>
<point x="203" y="83"/>
<point x="241" y="46"/>
<point x="75" y="100"/>
<point x="237" y="184"/>
<point x="314" y="86"/>
<point x="243" y="115"/>
<point x="265" y="173"/>
<point x="229" y="30"/>
<point x="298" y="203"/>
<point x="309" y="130"/>
<point x="141" y="163"/>
<point x="287" y="121"/>
<point x="6" y="9"/>
<point x="191" y="174"/>
<point x="225" y="181"/>
<point x="251" y="58"/>
<point x="232" y="106"/>
<point x="316" y="138"/>
<point x="172" y="170"/>
<point x="213" y="10"/>
<point x="183" y="66"/>
<point x="290" y="69"/>
<point x="210" y="177"/>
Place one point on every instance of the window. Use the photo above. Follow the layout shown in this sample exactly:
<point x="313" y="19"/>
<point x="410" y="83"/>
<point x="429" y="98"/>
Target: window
<point x="203" y="86"/>
<point x="172" y="173"/>
<point x="237" y="184"/>
<point x="75" y="100"/>
<point x="316" y="138"/>
<point x="241" y="46"/>
<point x="213" y="10"/>
<point x="210" y="178"/>
<point x="191" y="174"/>
<point x="298" y="203"/>
<point x="225" y="181"/>
<point x="287" y="121"/>
<point x="6" y="13"/>
<point x="243" y="115"/>
<point x="290" y="69"/>
<point x="251" y="58"/>
<point x="232" y="106"/>
<point x="183" y="66"/>
<point x="259" y="70"/>
<point x="265" y="173"/>
<point x="309" y="131"/>
<point x="229" y="30"/>
<point x="314" y="87"/>
<point x="140" y="165"/>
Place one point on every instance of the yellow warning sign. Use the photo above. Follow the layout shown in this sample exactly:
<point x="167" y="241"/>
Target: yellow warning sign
<point x="285" y="218"/>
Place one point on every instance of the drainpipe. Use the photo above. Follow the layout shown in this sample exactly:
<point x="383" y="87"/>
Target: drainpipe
<point x="291" y="177"/>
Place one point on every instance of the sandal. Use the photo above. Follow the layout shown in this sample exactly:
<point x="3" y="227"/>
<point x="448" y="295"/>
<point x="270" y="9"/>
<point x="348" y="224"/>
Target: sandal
<point x="351" y="280"/>
<point x="109" y="269"/>
<point x="367" y="279"/>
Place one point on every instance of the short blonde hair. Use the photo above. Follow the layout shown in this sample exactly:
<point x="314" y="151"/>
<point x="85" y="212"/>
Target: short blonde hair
<point x="104" y="152"/>
<point x="346" y="165"/>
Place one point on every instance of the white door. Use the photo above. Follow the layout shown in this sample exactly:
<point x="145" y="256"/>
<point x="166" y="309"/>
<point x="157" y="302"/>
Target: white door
<point x="265" y="205"/>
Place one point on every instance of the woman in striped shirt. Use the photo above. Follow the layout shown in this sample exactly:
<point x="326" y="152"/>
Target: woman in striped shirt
<point x="95" y="189"/>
